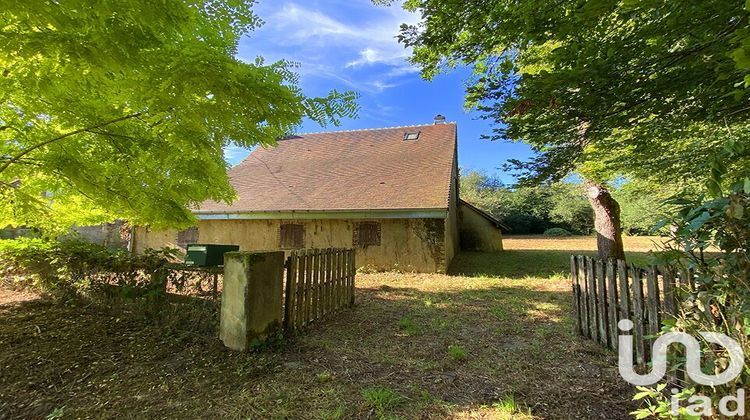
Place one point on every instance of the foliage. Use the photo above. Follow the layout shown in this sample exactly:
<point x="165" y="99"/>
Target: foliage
<point x="721" y="300"/>
<point x="536" y="209"/>
<point x="642" y="205"/>
<point x="122" y="109"/>
<point x="557" y="232"/>
<point x="524" y="210"/>
<point x="570" y="208"/>
<point x="604" y="88"/>
<point x="71" y="267"/>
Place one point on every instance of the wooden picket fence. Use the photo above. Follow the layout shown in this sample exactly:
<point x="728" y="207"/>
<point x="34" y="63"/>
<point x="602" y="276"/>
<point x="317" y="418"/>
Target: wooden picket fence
<point x="605" y="292"/>
<point x="319" y="282"/>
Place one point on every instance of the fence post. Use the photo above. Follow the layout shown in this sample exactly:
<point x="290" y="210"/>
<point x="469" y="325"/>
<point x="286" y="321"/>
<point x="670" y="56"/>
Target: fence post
<point x="337" y="279"/>
<point x="612" y="303"/>
<point x="576" y="292"/>
<point x="638" y="322"/>
<point x="601" y="285"/>
<point x="354" y="275"/>
<point x="581" y="262"/>
<point x="315" y="286"/>
<point x="670" y="300"/>
<point x="652" y="288"/>
<point x="215" y="286"/>
<point x="622" y="271"/>
<point x="289" y="292"/>
<point x="593" y="313"/>
<point x="251" y="303"/>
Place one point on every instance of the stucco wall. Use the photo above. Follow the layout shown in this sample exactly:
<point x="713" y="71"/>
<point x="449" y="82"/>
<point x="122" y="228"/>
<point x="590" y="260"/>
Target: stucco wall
<point x="476" y="232"/>
<point x="406" y="244"/>
<point x="452" y="244"/>
<point x="144" y="238"/>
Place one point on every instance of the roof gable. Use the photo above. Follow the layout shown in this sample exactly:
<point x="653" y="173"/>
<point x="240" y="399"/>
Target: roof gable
<point x="374" y="169"/>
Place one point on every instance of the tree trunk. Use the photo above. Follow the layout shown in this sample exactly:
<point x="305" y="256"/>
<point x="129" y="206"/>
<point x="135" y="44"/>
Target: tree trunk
<point x="606" y="221"/>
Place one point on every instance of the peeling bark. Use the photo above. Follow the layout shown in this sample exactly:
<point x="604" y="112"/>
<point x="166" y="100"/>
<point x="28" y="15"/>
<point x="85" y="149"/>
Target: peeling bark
<point x="606" y="221"/>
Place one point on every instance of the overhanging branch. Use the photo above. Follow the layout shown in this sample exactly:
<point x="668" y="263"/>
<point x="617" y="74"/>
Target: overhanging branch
<point x="24" y="152"/>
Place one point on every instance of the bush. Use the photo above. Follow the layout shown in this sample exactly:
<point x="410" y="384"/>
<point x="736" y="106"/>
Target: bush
<point x="557" y="232"/>
<point x="71" y="267"/>
<point x="720" y="301"/>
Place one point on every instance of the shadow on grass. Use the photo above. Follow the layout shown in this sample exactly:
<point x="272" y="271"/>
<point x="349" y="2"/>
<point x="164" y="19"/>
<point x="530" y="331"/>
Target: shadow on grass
<point x="102" y="362"/>
<point x="514" y="264"/>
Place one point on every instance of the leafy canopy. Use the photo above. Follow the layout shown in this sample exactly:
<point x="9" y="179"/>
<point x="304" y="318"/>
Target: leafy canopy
<point x="645" y="88"/>
<point x="114" y="108"/>
<point x="534" y="209"/>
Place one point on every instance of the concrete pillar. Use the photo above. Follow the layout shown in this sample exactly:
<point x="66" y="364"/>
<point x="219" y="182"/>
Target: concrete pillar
<point x="251" y="301"/>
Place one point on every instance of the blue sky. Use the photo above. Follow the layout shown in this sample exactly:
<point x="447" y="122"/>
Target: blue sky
<point x="351" y="45"/>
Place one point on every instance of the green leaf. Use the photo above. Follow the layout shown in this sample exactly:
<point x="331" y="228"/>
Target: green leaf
<point x="735" y="210"/>
<point x="642" y="395"/>
<point x="699" y="221"/>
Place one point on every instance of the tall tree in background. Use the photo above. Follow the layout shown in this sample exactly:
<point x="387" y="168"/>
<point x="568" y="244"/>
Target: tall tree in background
<point x="647" y="89"/>
<point x="112" y="108"/>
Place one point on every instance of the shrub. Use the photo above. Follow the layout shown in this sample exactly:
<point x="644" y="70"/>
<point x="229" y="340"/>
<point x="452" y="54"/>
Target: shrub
<point x="557" y="232"/>
<point x="720" y="301"/>
<point x="71" y="267"/>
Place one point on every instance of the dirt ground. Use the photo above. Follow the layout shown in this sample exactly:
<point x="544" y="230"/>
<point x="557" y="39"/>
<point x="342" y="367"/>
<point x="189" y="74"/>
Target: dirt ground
<point x="494" y="339"/>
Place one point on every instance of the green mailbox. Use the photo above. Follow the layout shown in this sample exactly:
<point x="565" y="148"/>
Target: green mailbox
<point x="207" y="255"/>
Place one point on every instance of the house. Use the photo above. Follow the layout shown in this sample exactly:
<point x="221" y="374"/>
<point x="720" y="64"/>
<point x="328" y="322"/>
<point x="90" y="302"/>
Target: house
<point x="391" y="193"/>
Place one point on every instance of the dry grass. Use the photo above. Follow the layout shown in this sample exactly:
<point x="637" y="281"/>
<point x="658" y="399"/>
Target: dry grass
<point x="492" y="340"/>
<point x="579" y="243"/>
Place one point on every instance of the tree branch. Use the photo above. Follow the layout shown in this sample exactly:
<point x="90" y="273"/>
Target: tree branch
<point x="23" y="153"/>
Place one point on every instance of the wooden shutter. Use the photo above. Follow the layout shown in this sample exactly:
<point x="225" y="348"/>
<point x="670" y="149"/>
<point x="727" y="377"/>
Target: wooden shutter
<point x="291" y="236"/>
<point x="366" y="234"/>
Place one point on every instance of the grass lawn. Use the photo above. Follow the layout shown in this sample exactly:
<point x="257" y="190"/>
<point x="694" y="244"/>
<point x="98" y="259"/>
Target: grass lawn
<point x="492" y="340"/>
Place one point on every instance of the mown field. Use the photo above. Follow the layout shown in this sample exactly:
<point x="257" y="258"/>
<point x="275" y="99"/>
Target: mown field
<point x="493" y="339"/>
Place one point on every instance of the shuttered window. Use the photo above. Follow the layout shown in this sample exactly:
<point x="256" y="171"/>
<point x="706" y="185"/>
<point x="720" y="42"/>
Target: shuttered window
<point x="366" y="234"/>
<point x="291" y="236"/>
<point x="187" y="236"/>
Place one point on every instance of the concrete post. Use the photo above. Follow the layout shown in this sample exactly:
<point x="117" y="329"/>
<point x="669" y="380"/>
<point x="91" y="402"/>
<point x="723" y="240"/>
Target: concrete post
<point x="251" y="300"/>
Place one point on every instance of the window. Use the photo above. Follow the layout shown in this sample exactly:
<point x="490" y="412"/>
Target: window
<point x="291" y="236"/>
<point x="366" y="234"/>
<point x="411" y="135"/>
<point x="187" y="236"/>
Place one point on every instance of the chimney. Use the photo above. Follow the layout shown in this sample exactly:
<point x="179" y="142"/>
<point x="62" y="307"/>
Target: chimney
<point x="439" y="119"/>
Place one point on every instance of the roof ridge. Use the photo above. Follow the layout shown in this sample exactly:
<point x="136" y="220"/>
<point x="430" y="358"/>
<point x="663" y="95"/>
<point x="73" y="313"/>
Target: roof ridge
<point x="372" y="129"/>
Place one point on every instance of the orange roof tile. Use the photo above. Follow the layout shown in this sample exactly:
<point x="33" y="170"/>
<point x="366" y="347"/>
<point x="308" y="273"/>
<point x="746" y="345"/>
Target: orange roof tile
<point x="372" y="169"/>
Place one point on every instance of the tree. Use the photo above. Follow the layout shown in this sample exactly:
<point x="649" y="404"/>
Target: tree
<point x="642" y="205"/>
<point x="570" y="208"/>
<point x="124" y="108"/>
<point x="603" y="88"/>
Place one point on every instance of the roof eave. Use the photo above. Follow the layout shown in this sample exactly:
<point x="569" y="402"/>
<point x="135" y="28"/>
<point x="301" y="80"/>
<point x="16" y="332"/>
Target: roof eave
<point x="422" y="213"/>
<point x="486" y="215"/>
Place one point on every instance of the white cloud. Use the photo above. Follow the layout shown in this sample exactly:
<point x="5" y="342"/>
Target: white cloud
<point x="370" y="56"/>
<point x="380" y="85"/>
<point x="363" y="54"/>
<point x="308" y="24"/>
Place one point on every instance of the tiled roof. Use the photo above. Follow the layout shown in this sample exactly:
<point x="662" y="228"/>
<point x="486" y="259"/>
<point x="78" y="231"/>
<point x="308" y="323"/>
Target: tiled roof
<point x="373" y="169"/>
